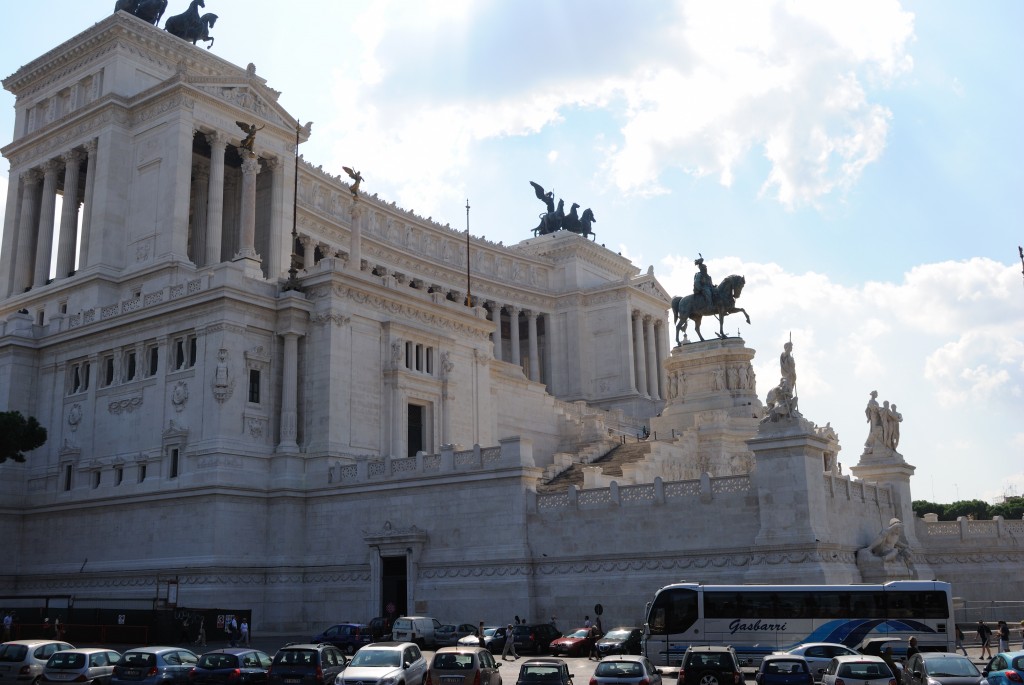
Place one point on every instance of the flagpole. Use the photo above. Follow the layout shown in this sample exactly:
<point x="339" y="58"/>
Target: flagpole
<point x="469" y="281"/>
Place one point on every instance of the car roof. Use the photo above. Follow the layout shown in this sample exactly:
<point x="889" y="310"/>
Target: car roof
<point x="546" y="660"/>
<point x="821" y="644"/>
<point x="463" y="649"/>
<point x="624" y="657"/>
<point x="712" y="648"/>
<point x="158" y="649"/>
<point x="89" y="650"/>
<point x="232" y="650"/>
<point x="388" y="645"/>
<point x="863" y="658"/>
<point x="306" y="645"/>
<point x="32" y="643"/>
<point x="937" y="655"/>
<point x="786" y="656"/>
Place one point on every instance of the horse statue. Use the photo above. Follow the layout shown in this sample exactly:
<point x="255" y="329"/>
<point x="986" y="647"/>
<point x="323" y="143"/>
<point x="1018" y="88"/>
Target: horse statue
<point x="149" y="11"/>
<point x="585" y="223"/>
<point x="724" y="298"/>
<point x="207" y="21"/>
<point x="188" y="25"/>
<point x="571" y="222"/>
<point x="551" y="221"/>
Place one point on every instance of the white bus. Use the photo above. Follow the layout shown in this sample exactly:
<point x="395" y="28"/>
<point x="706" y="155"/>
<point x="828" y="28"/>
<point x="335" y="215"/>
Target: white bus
<point x="760" y="619"/>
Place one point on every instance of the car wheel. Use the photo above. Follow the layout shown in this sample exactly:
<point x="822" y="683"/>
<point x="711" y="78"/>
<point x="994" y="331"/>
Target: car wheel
<point x="709" y="678"/>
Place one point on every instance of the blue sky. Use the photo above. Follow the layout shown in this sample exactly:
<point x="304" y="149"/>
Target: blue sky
<point x="858" y="162"/>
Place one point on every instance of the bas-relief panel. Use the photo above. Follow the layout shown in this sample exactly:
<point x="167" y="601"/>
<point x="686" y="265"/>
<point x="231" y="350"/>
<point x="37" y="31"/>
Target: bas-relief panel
<point x="365" y="392"/>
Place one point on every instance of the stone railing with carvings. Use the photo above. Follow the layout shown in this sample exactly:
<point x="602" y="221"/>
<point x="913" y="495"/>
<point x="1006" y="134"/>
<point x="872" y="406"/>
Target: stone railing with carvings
<point x="704" y="490"/>
<point x="511" y="452"/>
<point x="967" y="529"/>
<point x="846" y="487"/>
<point x="134" y="304"/>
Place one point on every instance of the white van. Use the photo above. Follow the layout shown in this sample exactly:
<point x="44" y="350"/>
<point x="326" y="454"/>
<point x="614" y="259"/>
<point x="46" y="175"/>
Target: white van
<point x="418" y="629"/>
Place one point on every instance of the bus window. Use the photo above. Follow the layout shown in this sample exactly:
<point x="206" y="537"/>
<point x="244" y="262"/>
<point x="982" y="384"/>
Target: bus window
<point x="674" y="611"/>
<point x="917" y="605"/>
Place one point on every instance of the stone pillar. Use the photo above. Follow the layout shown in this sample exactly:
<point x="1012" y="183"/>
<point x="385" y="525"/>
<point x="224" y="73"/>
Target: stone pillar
<point x="531" y="320"/>
<point x="215" y="198"/>
<point x="639" y="357"/>
<point x="68" y="237"/>
<point x="247" y="216"/>
<point x="200" y="210"/>
<point x="22" y="265"/>
<point x="496" y="318"/>
<point x="44" y="234"/>
<point x="652" y="360"/>
<point x="90" y="191"/>
<point x="355" y="247"/>
<point x="659" y="340"/>
<point x="278" y="260"/>
<point x="289" y="393"/>
<point x="513" y="328"/>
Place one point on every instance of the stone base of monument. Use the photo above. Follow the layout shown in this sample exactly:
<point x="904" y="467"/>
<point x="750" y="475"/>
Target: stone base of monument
<point x="875" y="569"/>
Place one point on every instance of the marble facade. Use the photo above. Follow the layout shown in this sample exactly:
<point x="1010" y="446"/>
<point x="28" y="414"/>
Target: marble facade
<point x="370" y="437"/>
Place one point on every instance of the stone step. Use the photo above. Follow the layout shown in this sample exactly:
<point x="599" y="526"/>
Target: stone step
<point x="611" y="465"/>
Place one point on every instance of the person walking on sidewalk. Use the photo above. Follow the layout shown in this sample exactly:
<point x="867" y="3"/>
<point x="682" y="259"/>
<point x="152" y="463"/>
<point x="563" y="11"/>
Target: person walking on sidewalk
<point x="1004" y="636"/>
<point x="510" y="644"/>
<point x="985" y="635"/>
<point x="960" y="641"/>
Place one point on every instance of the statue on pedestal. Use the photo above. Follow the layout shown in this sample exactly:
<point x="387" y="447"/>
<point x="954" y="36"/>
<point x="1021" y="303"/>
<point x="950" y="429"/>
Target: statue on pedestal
<point x="708" y="300"/>
<point x="780" y="403"/>
<point x="148" y="11"/>
<point x="555" y="218"/>
<point x="884" y="426"/>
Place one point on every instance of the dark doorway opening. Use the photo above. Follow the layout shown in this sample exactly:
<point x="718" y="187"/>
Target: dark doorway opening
<point x="416" y="429"/>
<point x="393" y="587"/>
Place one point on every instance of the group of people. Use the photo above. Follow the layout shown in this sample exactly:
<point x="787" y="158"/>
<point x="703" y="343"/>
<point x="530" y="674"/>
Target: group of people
<point x="985" y="637"/>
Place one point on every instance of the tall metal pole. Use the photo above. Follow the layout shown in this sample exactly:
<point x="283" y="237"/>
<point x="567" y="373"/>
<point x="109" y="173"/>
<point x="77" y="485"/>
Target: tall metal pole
<point x="293" y="279"/>
<point x="469" y="281"/>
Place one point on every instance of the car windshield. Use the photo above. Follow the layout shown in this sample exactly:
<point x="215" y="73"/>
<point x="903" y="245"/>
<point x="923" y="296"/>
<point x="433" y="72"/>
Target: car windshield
<point x="489" y="632"/>
<point x="617" y="635"/>
<point x="537" y="674"/>
<point x="402" y="624"/>
<point x="952" y="666"/>
<point x="619" y="669"/>
<point x="14" y="653"/>
<point x="450" y="661"/>
<point x="377" y="657"/>
<point x="862" y="670"/>
<point x="66" y="660"/>
<point x="785" y="666"/>
<point x="138" y="659"/>
<point x="579" y="632"/>
<point x="1018" y="663"/>
<point x="218" y="661"/>
<point x="295" y="657"/>
<point x="711" y="659"/>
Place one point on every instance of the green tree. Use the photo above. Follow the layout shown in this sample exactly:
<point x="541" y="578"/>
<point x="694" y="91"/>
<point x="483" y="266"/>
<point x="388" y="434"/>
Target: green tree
<point x="972" y="508"/>
<point x="19" y="435"/>
<point x="922" y="507"/>
<point x="1009" y="508"/>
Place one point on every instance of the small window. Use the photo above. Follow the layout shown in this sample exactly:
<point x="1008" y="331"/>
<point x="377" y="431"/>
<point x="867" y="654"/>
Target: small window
<point x="129" y="366"/>
<point x="96" y="475"/>
<point x="174" y="462"/>
<point x="118" y="475"/>
<point x="153" y="355"/>
<point x="142" y="472"/>
<point x="40" y="317"/>
<point x="254" y="386"/>
<point x="108" y="370"/>
<point x="179" y="353"/>
<point x="67" y="477"/>
<point x="63" y="307"/>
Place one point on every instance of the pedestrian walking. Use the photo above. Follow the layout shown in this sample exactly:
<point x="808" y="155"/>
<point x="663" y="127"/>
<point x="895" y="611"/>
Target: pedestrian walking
<point x="960" y="641"/>
<point x="201" y="637"/>
<point x="586" y="621"/>
<point x="984" y="635"/>
<point x="510" y="644"/>
<point x="244" y="628"/>
<point x="912" y="648"/>
<point x="8" y="622"/>
<point x="1004" y="636"/>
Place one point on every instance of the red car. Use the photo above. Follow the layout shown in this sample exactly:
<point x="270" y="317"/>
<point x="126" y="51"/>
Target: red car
<point x="577" y="643"/>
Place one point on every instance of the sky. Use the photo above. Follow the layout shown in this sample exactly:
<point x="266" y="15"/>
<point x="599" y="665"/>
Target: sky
<point x="858" y="162"/>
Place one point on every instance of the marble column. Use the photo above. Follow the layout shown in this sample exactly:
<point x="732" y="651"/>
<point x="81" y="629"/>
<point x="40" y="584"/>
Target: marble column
<point x="215" y="198"/>
<point x="496" y="318"/>
<point x="289" y="393"/>
<point x="90" y="191"/>
<point x="513" y="329"/>
<point x="247" y="216"/>
<point x="200" y="211"/>
<point x="659" y="340"/>
<point x="652" y="360"/>
<point x="278" y="259"/>
<point x="44" y="233"/>
<point x="531" y="326"/>
<point x="24" y="251"/>
<point x="67" y="239"/>
<point x="355" y="241"/>
<point x="639" y="358"/>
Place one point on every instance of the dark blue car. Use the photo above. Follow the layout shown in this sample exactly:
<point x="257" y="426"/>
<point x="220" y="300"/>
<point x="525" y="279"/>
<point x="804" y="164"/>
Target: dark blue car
<point x="348" y="637"/>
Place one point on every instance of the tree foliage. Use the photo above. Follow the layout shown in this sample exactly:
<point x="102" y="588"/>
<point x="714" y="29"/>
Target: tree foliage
<point x="19" y="435"/>
<point x="1010" y="508"/>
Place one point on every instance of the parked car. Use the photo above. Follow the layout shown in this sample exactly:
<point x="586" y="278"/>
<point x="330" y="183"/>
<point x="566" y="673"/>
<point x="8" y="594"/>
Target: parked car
<point x="380" y="629"/>
<point x="536" y="638"/>
<point x="494" y="639"/>
<point x="1005" y="668"/>
<point x="154" y="666"/>
<point x="579" y="642"/>
<point x="306" y="664"/>
<point x="941" y="668"/>
<point x="235" y="665"/>
<point x="417" y="629"/>
<point x="463" y="666"/>
<point x="544" y="671"/>
<point x="784" y="669"/>
<point x="386" y="663"/>
<point x="94" y="666"/>
<point x="22" y="661"/>
<point x="348" y="637"/>
<point x="710" y="665"/>
<point x="626" y="669"/>
<point x="449" y="634"/>
<point x="623" y="640"/>
<point x="860" y="669"/>
<point x="819" y="654"/>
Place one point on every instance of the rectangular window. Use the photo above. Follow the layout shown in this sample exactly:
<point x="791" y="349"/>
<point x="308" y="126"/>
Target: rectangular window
<point x="129" y="366"/>
<point x="108" y="370"/>
<point x="96" y="476"/>
<point x="118" y="475"/>
<point x="174" y="463"/>
<point x="185" y="350"/>
<point x="179" y="354"/>
<point x="76" y="378"/>
<point x="67" y="477"/>
<point x="142" y="472"/>
<point x="254" y="386"/>
<point x="430" y="361"/>
<point x="192" y="347"/>
<point x="153" y="355"/>
<point x="85" y="376"/>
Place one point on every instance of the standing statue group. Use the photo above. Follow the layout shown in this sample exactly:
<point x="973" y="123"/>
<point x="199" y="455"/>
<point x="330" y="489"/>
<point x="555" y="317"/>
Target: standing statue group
<point x="884" y="425"/>
<point x="187" y="25"/>
<point x="707" y="300"/>
<point x="782" y="400"/>
<point x="555" y="219"/>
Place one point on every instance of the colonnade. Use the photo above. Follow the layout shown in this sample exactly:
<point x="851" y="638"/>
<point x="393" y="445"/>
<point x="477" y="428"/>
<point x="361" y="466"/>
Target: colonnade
<point x="533" y="346"/>
<point x="648" y="347"/>
<point x="27" y="252"/>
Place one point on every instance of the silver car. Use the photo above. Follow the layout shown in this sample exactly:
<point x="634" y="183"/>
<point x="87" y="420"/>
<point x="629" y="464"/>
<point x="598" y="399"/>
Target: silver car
<point x="858" y="670"/>
<point x="941" y="668"/>
<point x="91" y="666"/>
<point x="22" y="661"/>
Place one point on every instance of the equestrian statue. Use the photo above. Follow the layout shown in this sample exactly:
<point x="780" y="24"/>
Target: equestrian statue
<point x="555" y="218"/>
<point x="708" y="300"/>
<point x="149" y="11"/>
<point x="190" y="26"/>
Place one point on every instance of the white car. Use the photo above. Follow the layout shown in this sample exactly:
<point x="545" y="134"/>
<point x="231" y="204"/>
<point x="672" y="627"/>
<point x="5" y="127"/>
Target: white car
<point x="859" y="669"/>
<point x="819" y="654"/>
<point x="385" y="663"/>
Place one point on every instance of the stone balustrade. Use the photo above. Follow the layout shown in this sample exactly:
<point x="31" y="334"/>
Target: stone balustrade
<point x="965" y="528"/>
<point x="511" y="452"/>
<point x="647" y="494"/>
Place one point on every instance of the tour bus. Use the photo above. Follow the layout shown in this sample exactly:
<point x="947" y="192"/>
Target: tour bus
<point x="760" y="619"/>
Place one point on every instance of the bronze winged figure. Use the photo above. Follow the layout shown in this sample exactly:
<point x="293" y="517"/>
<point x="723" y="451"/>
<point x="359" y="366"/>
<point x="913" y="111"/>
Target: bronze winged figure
<point x="250" y="135"/>
<point x="356" y="177"/>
